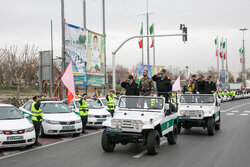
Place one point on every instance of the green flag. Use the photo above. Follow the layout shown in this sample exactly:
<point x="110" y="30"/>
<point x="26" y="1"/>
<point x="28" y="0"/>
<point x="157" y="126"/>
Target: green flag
<point x="215" y="41"/>
<point x="151" y="29"/>
<point x="224" y="45"/>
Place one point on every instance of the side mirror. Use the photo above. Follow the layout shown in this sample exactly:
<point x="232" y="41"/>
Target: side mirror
<point x="71" y="107"/>
<point x="166" y="107"/>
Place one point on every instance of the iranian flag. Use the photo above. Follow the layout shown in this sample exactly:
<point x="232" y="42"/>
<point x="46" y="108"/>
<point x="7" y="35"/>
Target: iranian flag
<point x="151" y="31"/>
<point x="132" y="72"/>
<point x="241" y="52"/>
<point x="68" y="81"/>
<point x="221" y="48"/>
<point x="216" y="43"/>
<point x="224" y="50"/>
<point x="140" y="42"/>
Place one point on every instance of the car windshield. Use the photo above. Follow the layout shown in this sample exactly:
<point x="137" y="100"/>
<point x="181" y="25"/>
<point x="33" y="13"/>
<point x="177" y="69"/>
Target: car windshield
<point x="91" y="104"/>
<point x="9" y="113"/>
<point x="104" y="101"/>
<point x="197" y="99"/>
<point x="55" y="108"/>
<point x="141" y="103"/>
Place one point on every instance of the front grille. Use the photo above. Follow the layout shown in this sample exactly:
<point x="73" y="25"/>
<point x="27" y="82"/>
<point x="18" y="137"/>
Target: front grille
<point x="73" y="130"/>
<point x="14" y="142"/>
<point x="68" y="123"/>
<point x="192" y="113"/>
<point x="98" y="123"/>
<point x="127" y="127"/>
<point x="100" y="116"/>
<point x="14" y="131"/>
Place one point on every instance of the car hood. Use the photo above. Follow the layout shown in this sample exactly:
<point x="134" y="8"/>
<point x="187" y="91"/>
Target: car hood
<point x="195" y="107"/>
<point x="101" y="111"/>
<point x="15" y="124"/>
<point x="137" y="115"/>
<point x="61" y="116"/>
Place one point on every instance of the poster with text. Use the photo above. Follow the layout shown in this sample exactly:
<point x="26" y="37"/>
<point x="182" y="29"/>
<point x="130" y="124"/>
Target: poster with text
<point x="76" y="49"/>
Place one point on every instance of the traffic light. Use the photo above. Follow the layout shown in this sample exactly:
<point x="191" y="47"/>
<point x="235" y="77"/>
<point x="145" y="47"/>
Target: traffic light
<point x="184" y="31"/>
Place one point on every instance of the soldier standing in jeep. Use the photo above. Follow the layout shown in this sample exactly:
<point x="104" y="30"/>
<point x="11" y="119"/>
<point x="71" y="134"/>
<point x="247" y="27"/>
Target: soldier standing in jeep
<point x="146" y="84"/>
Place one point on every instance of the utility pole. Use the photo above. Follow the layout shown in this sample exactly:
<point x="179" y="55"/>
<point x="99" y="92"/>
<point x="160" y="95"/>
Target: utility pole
<point x="218" y="59"/>
<point x="153" y="45"/>
<point x="148" y="57"/>
<point x="51" y="60"/>
<point x="243" y="59"/>
<point x="104" y="34"/>
<point x="84" y="13"/>
<point x="222" y="59"/>
<point x="63" y="46"/>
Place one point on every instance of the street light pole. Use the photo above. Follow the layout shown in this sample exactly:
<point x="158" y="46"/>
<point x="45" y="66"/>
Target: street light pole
<point x="243" y="59"/>
<point x="133" y="37"/>
<point x="63" y="45"/>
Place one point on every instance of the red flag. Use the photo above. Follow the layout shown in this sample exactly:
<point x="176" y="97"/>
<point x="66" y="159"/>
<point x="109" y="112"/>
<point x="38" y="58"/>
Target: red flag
<point x="140" y="43"/>
<point x="68" y="81"/>
<point x="152" y="44"/>
<point x="132" y="72"/>
<point x="221" y="55"/>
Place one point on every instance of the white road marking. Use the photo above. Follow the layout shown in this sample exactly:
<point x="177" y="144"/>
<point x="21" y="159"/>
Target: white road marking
<point x="37" y="148"/>
<point x="247" y="111"/>
<point x="145" y="151"/>
<point x="229" y="113"/>
<point x="10" y="152"/>
<point x="244" y="114"/>
<point x="234" y="111"/>
<point x="236" y="106"/>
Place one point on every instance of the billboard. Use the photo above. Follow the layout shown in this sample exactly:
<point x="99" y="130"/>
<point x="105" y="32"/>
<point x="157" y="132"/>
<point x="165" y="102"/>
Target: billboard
<point x="95" y="58"/>
<point x="140" y="72"/>
<point x="76" y="49"/>
<point x="156" y="69"/>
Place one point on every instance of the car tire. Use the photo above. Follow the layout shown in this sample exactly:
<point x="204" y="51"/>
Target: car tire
<point x="178" y="129"/>
<point x="172" y="136"/>
<point x="217" y="125"/>
<point x="210" y="126"/>
<point x="107" y="144"/>
<point x="153" y="142"/>
<point x="41" y="133"/>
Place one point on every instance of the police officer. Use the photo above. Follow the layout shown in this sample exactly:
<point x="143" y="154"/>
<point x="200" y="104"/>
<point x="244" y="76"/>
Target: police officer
<point x="84" y="112"/>
<point x="163" y="84"/>
<point x="130" y="86"/>
<point x="146" y="84"/>
<point x="209" y="86"/>
<point x="37" y="116"/>
<point x="110" y="102"/>
<point x="200" y="85"/>
<point x="77" y="96"/>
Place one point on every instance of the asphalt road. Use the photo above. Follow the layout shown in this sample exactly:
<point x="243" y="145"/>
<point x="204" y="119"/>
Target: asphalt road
<point x="230" y="147"/>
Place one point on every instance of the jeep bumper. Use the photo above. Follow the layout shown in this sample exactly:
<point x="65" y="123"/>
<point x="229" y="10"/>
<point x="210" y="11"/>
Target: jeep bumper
<point x="121" y="137"/>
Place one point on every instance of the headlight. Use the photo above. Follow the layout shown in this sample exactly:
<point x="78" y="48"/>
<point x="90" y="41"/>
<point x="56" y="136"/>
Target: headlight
<point x="201" y="112"/>
<point x="78" y="121"/>
<point x="137" y="123"/>
<point x="51" y="122"/>
<point x="182" y="112"/>
<point x="29" y="129"/>
<point x="91" y="116"/>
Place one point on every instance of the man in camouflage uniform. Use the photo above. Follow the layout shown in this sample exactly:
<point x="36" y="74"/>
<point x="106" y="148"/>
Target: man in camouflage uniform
<point x="146" y="85"/>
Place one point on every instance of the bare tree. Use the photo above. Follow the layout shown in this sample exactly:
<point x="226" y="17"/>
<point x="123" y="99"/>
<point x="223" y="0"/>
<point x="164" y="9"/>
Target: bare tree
<point x="20" y="62"/>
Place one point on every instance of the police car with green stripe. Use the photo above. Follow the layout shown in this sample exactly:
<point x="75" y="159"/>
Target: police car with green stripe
<point x="140" y="119"/>
<point x="199" y="110"/>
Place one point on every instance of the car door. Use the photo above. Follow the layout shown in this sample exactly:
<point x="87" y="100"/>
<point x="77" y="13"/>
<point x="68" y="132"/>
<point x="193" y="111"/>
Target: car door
<point x="26" y="109"/>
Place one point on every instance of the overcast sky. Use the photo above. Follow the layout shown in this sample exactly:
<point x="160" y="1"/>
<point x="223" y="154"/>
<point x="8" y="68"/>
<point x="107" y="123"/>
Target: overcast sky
<point x="28" y="21"/>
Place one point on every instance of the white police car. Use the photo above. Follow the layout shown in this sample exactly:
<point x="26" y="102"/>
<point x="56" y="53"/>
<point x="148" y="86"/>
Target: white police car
<point x="96" y="114"/>
<point x="57" y="118"/>
<point x="15" y="129"/>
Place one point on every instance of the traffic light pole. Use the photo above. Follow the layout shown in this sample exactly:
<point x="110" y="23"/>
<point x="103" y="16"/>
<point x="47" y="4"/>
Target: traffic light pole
<point x="133" y="37"/>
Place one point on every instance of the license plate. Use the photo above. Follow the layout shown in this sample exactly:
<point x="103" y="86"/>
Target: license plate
<point x="68" y="127"/>
<point x="184" y="117"/>
<point x="115" y="130"/>
<point x="14" y="137"/>
<point x="101" y="120"/>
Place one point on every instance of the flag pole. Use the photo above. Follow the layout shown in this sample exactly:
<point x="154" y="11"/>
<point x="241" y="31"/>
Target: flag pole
<point x="218" y="59"/>
<point x="226" y="56"/>
<point x="142" y="46"/>
<point x="154" y="44"/>
<point x="222" y="59"/>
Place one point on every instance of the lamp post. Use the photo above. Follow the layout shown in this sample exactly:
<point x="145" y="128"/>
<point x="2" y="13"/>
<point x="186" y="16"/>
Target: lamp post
<point x="243" y="59"/>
